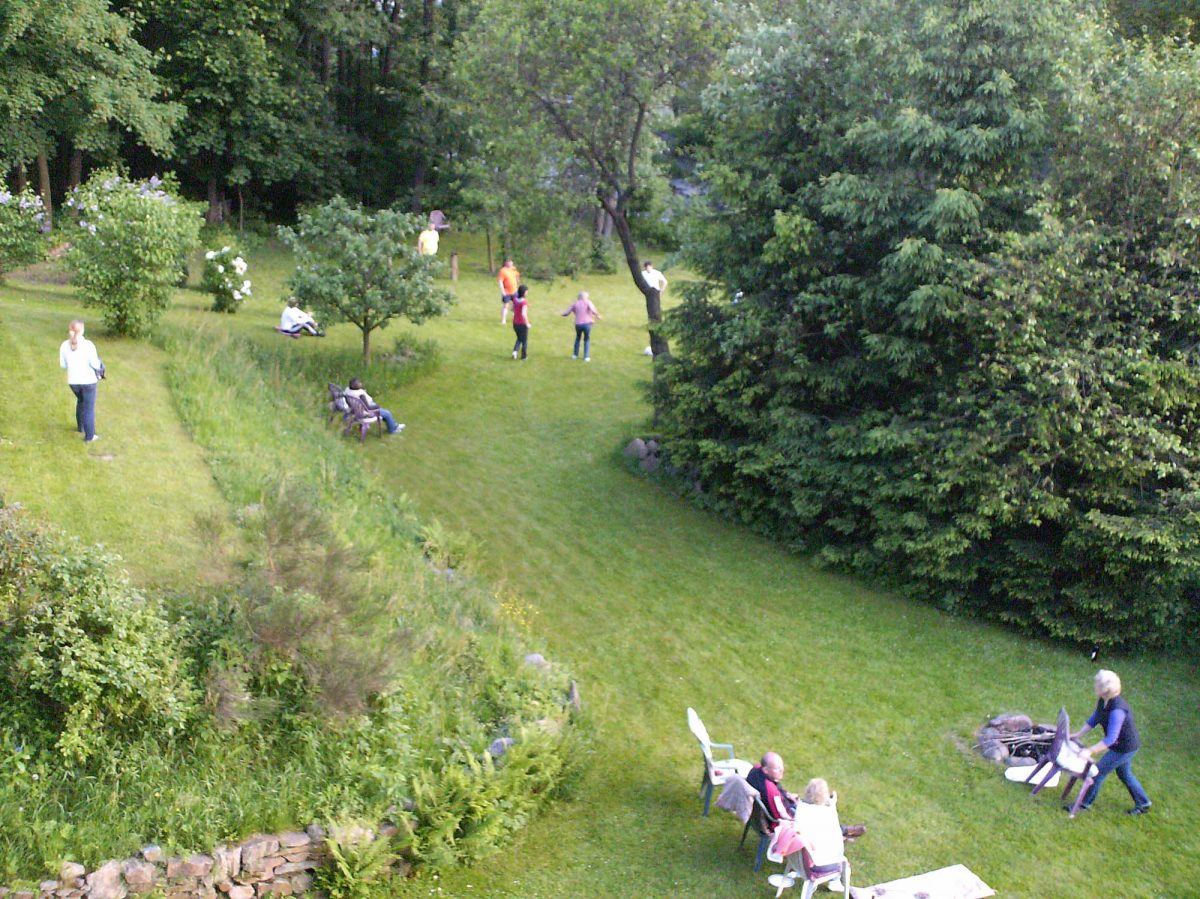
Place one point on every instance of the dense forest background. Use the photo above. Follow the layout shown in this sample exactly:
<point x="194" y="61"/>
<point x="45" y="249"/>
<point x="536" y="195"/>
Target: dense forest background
<point x="260" y="106"/>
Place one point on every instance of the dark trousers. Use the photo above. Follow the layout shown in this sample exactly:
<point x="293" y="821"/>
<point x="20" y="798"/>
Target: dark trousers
<point x="584" y="331"/>
<point x="85" y="409"/>
<point x="522" y="340"/>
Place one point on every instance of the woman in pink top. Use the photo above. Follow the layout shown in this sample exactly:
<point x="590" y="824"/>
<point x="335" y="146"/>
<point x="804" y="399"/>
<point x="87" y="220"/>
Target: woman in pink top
<point x="585" y="314"/>
<point x="521" y="322"/>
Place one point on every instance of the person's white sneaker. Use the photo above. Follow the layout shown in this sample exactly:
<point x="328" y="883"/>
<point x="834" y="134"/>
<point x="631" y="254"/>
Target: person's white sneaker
<point x="587" y="358"/>
<point x="834" y="886"/>
<point x="514" y="354"/>
<point x="91" y="439"/>
<point x="574" y="355"/>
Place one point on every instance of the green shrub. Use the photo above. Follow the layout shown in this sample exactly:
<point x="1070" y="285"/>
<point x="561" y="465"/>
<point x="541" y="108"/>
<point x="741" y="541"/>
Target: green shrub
<point x="23" y="227"/>
<point x="310" y="599"/>
<point x="224" y="276"/>
<point x="358" y="864"/>
<point x="86" y="660"/>
<point x="126" y="247"/>
<point x="603" y="259"/>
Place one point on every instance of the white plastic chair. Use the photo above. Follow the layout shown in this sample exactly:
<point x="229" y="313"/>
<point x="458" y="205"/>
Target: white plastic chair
<point x="811" y="881"/>
<point x="715" y="772"/>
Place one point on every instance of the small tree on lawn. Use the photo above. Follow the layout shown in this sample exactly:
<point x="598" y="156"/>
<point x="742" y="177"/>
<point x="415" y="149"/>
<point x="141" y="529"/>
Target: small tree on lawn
<point x="362" y="267"/>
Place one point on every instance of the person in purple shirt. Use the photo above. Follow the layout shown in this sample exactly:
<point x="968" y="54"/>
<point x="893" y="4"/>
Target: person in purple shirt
<point x="1120" y="744"/>
<point x="585" y="314"/>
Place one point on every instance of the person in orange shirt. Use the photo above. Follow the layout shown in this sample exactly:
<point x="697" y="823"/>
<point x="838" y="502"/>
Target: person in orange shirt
<point x="510" y="280"/>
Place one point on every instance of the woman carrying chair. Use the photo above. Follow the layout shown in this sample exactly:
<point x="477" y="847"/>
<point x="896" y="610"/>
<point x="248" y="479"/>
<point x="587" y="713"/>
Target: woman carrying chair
<point x="1120" y="744"/>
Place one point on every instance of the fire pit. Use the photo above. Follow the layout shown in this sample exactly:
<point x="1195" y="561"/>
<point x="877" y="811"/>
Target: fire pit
<point x="1014" y="739"/>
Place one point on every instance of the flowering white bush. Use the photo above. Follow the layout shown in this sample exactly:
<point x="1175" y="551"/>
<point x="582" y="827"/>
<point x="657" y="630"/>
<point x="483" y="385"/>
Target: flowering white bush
<point x="225" y="278"/>
<point x="126" y="246"/>
<point x="23" y="227"/>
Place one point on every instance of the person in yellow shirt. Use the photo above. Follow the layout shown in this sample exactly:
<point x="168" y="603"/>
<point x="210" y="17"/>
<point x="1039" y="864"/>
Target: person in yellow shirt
<point x="509" y="280"/>
<point x="427" y="243"/>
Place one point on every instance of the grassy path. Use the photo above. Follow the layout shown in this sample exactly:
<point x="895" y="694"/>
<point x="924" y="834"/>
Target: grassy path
<point x="142" y="487"/>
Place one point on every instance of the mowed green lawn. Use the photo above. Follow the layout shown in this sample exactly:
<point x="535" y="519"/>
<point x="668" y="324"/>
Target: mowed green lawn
<point x="142" y="489"/>
<point x="656" y="606"/>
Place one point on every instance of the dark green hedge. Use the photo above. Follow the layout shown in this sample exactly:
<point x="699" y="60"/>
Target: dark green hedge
<point x="964" y="360"/>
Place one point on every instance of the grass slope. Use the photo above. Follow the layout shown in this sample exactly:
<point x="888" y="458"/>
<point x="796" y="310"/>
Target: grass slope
<point x="659" y="606"/>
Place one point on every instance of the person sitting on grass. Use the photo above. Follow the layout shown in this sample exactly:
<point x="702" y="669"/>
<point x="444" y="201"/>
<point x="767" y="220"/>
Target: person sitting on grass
<point x="295" y="321"/>
<point x="356" y="389"/>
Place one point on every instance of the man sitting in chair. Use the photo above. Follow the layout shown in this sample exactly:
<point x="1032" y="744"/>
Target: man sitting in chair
<point x="295" y="321"/>
<point x="765" y="778"/>
<point x="389" y="420"/>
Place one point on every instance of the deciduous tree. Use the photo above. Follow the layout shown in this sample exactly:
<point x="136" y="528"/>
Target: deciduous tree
<point x="72" y="70"/>
<point x="362" y="267"/>
<point x="585" y="83"/>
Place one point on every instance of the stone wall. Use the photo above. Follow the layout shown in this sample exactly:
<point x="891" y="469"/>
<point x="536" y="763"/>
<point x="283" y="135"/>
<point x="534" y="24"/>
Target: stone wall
<point x="279" y="864"/>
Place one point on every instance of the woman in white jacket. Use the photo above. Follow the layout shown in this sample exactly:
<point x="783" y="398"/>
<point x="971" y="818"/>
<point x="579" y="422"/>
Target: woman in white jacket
<point x="78" y="356"/>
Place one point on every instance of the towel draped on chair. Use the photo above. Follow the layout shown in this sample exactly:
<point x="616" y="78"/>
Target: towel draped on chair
<point x="737" y="797"/>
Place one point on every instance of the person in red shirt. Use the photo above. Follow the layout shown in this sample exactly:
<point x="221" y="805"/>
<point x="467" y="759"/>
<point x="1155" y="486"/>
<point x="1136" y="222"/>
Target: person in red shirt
<point x="521" y="322"/>
<point x="509" y="280"/>
<point x="765" y="778"/>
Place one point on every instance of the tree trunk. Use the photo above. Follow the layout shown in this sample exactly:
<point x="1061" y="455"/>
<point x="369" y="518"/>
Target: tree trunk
<point x="75" y="169"/>
<point x="43" y="167"/>
<point x="366" y="333"/>
<point x="491" y="259"/>
<point x="216" y="203"/>
<point x="22" y="177"/>
<point x="326" y="59"/>
<point x="658" y="343"/>
<point x="241" y="211"/>
<point x="603" y="224"/>
<point x="386" y="66"/>
<point x="418" y="186"/>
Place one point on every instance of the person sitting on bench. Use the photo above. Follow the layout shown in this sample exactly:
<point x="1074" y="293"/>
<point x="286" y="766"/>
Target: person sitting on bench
<point x="356" y="389"/>
<point x="295" y="321"/>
